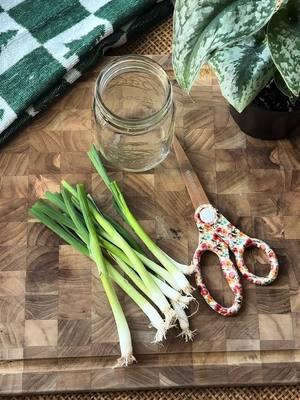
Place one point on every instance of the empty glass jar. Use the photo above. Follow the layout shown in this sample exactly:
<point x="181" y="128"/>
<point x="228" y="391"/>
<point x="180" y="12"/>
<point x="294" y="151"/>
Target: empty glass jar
<point x="134" y="113"/>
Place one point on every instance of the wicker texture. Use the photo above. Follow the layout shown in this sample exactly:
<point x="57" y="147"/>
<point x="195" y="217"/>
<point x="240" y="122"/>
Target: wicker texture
<point x="253" y="393"/>
<point x="156" y="41"/>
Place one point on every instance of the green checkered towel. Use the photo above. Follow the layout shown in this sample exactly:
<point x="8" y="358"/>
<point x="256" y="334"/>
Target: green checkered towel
<point x="46" y="45"/>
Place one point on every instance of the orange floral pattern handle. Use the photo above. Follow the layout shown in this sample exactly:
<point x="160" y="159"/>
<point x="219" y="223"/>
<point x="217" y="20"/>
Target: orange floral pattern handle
<point x="218" y="235"/>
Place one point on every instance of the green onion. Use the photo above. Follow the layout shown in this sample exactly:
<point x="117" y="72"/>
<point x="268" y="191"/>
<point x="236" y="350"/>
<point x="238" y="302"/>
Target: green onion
<point x="176" y="273"/>
<point x="56" y="215"/>
<point x="121" y="322"/>
<point x="65" y="234"/>
<point x="57" y="200"/>
<point x="166" y="289"/>
<point x="122" y="231"/>
<point x="185" y="269"/>
<point x="131" y="273"/>
<point x="172" y="294"/>
<point x="155" y="319"/>
<point x="158" y="270"/>
<point x="93" y="244"/>
<point x="161" y="300"/>
<point x="96" y="254"/>
<point x="116" y="238"/>
<point x="75" y="217"/>
<point x="186" y="332"/>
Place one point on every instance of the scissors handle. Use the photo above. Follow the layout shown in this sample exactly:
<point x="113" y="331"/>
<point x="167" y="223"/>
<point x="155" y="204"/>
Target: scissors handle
<point x="272" y="260"/>
<point x="217" y="234"/>
<point x="230" y="273"/>
<point x="238" y="242"/>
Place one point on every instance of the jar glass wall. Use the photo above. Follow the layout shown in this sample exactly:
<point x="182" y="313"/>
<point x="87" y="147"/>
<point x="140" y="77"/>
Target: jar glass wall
<point x="134" y="113"/>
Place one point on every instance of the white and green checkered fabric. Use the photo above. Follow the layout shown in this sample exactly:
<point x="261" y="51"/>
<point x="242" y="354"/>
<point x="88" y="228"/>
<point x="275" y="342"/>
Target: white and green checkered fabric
<point x="45" y="45"/>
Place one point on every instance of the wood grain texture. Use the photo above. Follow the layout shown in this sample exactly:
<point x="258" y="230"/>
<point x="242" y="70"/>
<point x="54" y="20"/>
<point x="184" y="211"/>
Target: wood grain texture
<point x="56" y="328"/>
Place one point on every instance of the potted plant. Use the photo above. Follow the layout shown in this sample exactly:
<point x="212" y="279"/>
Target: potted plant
<point x="254" y="48"/>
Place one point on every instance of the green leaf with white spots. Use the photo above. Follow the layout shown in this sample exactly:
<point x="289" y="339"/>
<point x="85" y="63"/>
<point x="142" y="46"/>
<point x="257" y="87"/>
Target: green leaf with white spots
<point x="282" y="86"/>
<point x="284" y="42"/>
<point x="243" y="70"/>
<point x="203" y="26"/>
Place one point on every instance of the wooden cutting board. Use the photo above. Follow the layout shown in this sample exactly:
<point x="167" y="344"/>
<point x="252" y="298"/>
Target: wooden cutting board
<point x="56" y="329"/>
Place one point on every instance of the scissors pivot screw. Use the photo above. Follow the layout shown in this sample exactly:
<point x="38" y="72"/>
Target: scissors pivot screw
<point x="208" y="215"/>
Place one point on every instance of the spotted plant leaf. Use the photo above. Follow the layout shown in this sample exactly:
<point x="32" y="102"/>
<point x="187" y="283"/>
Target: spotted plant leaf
<point x="282" y="86"/>
<point x="284" y="42"/>
<point x="243" y="70"/>
<point x="203" y="26"/>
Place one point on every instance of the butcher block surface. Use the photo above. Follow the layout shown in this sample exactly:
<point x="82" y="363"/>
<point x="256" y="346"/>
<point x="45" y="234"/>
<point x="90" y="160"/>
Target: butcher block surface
<point x="57" y="332"/>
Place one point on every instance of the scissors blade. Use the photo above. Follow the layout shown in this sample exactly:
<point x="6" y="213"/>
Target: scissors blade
<point x="191" y="181"/>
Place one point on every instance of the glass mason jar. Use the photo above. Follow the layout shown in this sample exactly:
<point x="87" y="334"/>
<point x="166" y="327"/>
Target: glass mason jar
<point x="134" y="113"/>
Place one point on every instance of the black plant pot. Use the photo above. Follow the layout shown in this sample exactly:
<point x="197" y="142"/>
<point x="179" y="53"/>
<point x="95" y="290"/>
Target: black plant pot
<point x="265" y="124"/>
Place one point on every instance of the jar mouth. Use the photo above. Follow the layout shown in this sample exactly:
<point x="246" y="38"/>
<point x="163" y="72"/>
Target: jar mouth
<point x="132" y="64"/>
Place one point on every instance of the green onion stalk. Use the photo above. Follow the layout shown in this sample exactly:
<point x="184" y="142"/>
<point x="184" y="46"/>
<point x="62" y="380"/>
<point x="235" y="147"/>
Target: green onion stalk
<point x="147" y="278"/>
<point x="178" y="301"/>
<point x="161" y="275"/>
<point x="40" y="212"/>
<point x="167" y="290"/>
<point x="176" y="270"/>
<point x="111" y="232"/>
<point x="172" y="294"/>
<point x="74" y="216"/>
<point x="106" y="241"/>
<point x="76" y="231"/>
<point x="155" y="319"/>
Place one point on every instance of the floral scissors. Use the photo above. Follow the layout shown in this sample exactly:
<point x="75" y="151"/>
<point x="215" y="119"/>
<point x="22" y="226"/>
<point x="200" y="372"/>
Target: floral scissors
<point x="218" y="235"/>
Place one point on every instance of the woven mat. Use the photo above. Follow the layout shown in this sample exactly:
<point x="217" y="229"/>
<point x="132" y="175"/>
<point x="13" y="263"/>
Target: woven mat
<point x="156" y="41"/>
<point x="159" y="41"/>
<point x="251" y="393"/>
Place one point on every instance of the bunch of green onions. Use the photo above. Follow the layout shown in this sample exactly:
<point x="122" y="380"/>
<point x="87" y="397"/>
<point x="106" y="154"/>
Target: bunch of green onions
<point x="160" y="289"/>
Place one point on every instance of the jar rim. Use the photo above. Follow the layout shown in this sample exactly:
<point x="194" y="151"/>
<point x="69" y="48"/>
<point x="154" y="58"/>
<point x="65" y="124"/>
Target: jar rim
<point x="126" y="64"/>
